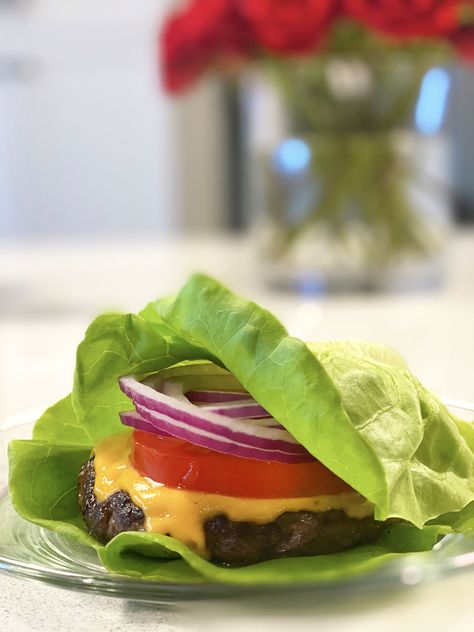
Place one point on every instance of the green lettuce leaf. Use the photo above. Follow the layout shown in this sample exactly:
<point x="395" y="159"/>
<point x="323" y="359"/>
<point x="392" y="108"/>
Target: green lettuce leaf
<point x="354" y="405"/>
<point x="115" y="345"/>
<point x="43" y="486"/>
<point x="117" y="556"/>
<point x="428" y="465"/>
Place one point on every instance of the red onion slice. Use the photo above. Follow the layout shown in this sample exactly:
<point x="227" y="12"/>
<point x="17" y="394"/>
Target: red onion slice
<point x="246" y="408"/>
<point x="238" y="410"/>
<point x="134" y="420"/>
<point x="184" y="411"/>
<point x="267" y="422"/>
<point x="164" y="423"/>
<point x="196" y="421"/>
<point x="215" y="397"/>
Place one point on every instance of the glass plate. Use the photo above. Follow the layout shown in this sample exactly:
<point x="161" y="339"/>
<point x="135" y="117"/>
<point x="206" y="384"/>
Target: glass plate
<point x="29" y="551"/>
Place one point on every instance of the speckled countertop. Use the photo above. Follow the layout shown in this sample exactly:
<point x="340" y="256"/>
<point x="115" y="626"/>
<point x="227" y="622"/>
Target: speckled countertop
<point x="48" y="294"/>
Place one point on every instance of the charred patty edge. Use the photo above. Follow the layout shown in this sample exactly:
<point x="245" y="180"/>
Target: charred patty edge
<point x="116" y="514"/>
<point x="292" y="534"/>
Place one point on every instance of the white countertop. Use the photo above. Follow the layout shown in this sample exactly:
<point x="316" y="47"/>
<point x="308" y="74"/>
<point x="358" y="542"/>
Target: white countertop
<point x="50" y="292"/>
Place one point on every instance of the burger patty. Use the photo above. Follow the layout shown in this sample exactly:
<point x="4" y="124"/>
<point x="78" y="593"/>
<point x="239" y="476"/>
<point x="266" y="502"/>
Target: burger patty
<point x="106" y="519"/>
<point x="235" y="543"/>
<point x="295" y="533"/>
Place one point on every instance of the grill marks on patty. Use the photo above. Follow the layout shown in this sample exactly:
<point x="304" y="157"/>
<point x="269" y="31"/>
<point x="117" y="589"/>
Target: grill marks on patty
<point x="235" y="543"/>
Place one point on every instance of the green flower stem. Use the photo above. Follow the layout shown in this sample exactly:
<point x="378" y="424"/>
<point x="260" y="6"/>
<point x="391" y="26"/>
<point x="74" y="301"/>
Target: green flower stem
<point x="363" y="184"/>
<point x="362" y="180"/>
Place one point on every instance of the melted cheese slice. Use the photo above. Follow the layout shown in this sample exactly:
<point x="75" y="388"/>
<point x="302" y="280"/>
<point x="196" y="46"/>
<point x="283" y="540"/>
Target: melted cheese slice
<point x="182" y="514"/>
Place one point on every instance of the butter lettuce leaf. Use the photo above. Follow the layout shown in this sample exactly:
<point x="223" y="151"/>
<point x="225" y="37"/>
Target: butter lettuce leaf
<point x="354" y="405"/>
<point x="117" y="556"/>
<point x="60" y="424"/>
<point x="428" y="464"/>
<point x="115" y="345"/>
<point x="43" y="486"/>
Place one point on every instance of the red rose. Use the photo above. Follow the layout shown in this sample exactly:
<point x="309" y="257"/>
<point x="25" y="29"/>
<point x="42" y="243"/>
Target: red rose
<point x="406" y="18"/>
<point x="289" y="26"/>
<point x="204" y="32"/>
<point x="463" y="40"/>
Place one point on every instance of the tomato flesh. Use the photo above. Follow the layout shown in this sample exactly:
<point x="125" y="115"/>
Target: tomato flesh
<point x="180" y="464"/>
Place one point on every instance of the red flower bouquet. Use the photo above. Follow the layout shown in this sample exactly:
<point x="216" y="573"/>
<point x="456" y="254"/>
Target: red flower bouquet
<point x="206" y="34"/>
<point x="406" y="18"/>
<point x="286" y="26"/>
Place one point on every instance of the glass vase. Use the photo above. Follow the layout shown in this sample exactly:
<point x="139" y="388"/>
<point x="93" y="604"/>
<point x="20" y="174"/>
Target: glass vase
<point x="345" y="201"/>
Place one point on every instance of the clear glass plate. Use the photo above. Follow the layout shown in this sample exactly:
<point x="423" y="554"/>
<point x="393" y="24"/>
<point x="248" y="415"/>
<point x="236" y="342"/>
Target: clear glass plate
<point x="29" y="551"/>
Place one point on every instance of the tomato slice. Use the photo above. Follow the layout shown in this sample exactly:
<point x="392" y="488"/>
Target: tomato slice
<point x="179" y="464"/>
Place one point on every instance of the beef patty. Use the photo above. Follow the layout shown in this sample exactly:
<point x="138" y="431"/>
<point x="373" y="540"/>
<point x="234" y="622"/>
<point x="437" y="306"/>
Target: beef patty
<point x="230" y="542"/>
<point x="107" y="519"/>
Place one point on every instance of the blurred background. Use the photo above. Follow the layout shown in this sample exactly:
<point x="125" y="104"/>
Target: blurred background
<point x="329" y="179"/>
<point x="91" y="144"/>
